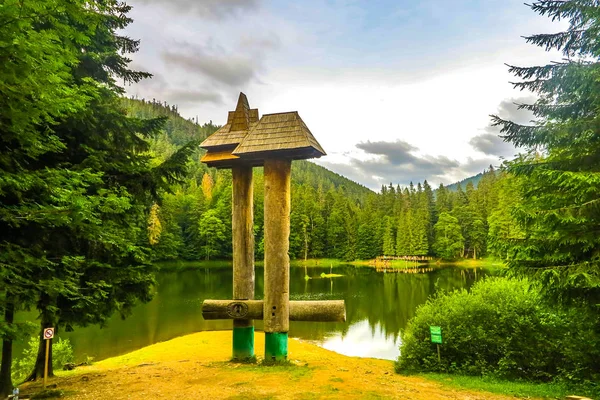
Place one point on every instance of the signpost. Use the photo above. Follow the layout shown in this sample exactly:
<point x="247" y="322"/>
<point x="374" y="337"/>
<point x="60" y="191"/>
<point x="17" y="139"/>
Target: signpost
<point x="48" y="335"/>
<point x="436" y="337"/>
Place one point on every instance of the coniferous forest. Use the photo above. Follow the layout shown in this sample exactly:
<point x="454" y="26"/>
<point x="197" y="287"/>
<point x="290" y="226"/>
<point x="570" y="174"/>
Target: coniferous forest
<point x="332" y="217"/>
<point x="96" y="188"/>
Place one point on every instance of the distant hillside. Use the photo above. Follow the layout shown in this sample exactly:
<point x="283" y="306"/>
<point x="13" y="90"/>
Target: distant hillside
<point x="474" y="179"/>
<point x="180" y="131"/>
<point x="193" y="220"/>
<point x="331" y="216"/>
<point x="308" y="173"/>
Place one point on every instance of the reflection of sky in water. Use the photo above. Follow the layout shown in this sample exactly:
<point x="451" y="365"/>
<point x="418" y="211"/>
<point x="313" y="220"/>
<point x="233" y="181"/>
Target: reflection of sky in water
<point x="363" y="341"/>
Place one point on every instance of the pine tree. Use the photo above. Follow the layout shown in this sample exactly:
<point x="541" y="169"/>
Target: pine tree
<point x="504" y="229"/>
<point x="560" y="168"/>
<point x="389" y="237"/>
<point x="404" y="233"/>
<point x="431" y="213"/>
<point x="442" y="200"/>
<point x="449" y="242"/>
<point x="77" y="181"/>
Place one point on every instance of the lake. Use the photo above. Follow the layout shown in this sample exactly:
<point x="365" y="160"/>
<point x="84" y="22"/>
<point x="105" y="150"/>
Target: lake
<point x="378" y="306"/>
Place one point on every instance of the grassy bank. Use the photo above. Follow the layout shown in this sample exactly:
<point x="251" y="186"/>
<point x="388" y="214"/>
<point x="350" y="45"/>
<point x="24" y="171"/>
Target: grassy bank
<point x="520" y="389"/>
<point x="197" y="367"/>
<point x="174" y="265"/>
<point x="487" y="263"/>
<point x="177" y="265"/>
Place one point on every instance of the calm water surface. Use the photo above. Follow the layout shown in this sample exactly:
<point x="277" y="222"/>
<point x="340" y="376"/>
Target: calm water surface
<point x="378" y="306"/>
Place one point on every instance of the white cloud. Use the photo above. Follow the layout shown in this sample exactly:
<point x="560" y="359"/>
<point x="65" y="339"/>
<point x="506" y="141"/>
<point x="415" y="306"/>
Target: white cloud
<point x="316" y="58"/>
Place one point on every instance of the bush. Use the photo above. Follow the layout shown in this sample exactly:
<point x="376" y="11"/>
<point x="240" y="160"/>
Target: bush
<point x="502" y="327"/>
<point x="62" y="353"/>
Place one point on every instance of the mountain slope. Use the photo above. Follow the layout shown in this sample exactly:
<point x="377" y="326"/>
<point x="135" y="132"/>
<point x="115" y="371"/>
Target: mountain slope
<point x="473" y="179"/>
<point x="194" y="220"/>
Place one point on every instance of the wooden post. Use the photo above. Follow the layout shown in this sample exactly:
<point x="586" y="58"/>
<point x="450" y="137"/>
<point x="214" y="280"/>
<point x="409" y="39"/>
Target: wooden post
<point x="46" y="362"/>
<point x="277" y="261"/>
<point x="243" y="258"/>
<point x="315" y="310"/>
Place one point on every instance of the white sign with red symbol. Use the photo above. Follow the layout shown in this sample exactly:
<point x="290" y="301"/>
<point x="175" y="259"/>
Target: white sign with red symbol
<point x="48" y="333"/>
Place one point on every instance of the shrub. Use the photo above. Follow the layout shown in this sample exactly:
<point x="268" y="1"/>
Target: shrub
<point x="503" y="326"/>
<point x="62" y="353"/>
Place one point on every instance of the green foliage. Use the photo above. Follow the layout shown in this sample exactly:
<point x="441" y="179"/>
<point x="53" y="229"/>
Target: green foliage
<point x="559" y="171"/>
<point x="502" y="327"/>
<point x="211" y="231"/>
<point x="504" y="230"/>
<point x="62" y="353"/>
<point x="522" y="389"/>
<point x="76" y="176"/>
<point x="449" y="242"/>
<point x="330" y="216"/>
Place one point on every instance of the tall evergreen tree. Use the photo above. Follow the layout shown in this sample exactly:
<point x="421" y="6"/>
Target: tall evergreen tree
<point x="389" y="237"/>
<point x="74" y="208"/>
<point x="449" y="242"/>
<point x="560" y="169"/>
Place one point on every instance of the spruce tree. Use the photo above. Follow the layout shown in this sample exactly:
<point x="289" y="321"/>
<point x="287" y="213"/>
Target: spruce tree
<point x="77" y="178"/>
<point x="389" y="237"/>
<point x="449" y="242"/>
<point x="560" y="166"/>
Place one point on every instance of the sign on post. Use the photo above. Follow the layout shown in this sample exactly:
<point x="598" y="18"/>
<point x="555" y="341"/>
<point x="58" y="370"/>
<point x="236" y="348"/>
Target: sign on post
<point x="436" y="337"/>
<point x="436" y="334"/>
<point x="48" y="334"/>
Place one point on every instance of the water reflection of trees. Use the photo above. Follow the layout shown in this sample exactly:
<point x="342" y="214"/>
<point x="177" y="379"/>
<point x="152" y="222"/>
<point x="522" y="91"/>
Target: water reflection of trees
<point x="385" y="300"/>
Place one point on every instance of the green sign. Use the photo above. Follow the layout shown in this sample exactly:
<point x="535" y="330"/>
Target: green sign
<point x="436" y="334"/>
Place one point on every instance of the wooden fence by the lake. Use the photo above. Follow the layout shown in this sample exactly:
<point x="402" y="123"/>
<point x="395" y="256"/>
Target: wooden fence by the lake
<point x="404" y="258"/>
<point x="384" y="263"/>
<point x="410" y="270"/>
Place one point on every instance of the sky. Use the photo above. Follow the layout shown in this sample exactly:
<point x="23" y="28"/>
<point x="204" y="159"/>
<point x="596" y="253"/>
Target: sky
<point x="394" y="91"/>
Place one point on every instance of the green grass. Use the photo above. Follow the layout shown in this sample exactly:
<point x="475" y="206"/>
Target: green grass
<point x="487" y="263"/>
<point x="321" y="262"/>
<point x="490" y="264"/>
<point x="176" y="265"/>
<point x="295" y="372"/>
<point x="521" y="389"/>
<point x="179" y="265"/>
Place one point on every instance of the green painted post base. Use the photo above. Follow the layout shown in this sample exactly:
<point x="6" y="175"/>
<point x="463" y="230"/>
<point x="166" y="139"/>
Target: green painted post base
<point x="276" y="346"/>
<point x="243" y="343"/>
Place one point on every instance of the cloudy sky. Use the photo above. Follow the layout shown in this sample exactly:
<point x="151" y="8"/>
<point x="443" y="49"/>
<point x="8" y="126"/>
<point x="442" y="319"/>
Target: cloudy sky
<point x="395" y="91"/>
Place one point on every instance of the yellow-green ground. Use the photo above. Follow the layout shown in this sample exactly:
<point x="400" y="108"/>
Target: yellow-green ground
<point x="197" y="367"/>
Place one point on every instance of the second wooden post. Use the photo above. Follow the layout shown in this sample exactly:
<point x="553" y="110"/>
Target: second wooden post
<point x="243" y="258"/>
<point x="277" y="262"/>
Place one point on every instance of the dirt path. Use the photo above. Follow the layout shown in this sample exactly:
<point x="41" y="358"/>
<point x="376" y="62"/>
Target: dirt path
<point x="196" y="367"/>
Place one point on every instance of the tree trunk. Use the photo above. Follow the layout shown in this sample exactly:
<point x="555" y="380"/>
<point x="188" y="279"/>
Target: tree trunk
<point x="38" y="369"/>
<point x="305" y="244"/>
<point x="474" y="253"/>
<point x="6" y="385"/>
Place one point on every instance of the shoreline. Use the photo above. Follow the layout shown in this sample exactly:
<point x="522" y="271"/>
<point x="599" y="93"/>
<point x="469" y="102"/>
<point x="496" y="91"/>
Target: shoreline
<point x="174" y="265"/>
<point x="197" y="366"/>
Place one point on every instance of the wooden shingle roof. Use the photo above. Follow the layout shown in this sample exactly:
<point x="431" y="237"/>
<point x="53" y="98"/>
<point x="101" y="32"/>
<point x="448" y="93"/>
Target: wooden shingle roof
<point x="239" y="123"/>
<point x="279" y="135"/>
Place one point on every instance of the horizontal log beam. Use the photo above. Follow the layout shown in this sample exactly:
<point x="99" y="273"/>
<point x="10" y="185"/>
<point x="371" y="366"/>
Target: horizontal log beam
<point x="316" y="311"/>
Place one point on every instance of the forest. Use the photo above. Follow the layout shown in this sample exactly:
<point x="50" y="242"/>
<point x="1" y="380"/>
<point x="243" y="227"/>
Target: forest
<point x="332" y="217"/>
<point x="95" y="187"/>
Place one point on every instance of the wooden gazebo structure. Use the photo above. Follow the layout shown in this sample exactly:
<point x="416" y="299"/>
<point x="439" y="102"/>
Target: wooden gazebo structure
<point x="272" y="141"/>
